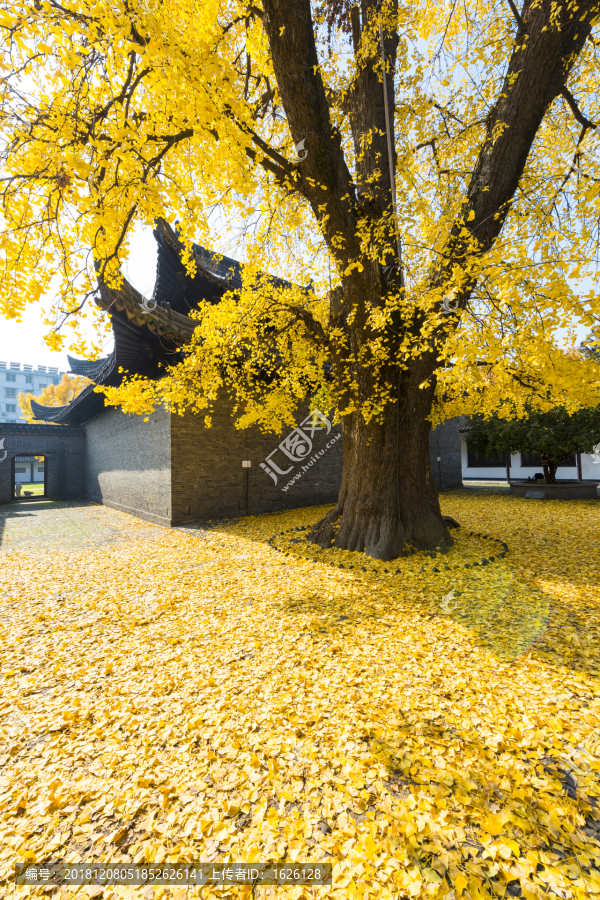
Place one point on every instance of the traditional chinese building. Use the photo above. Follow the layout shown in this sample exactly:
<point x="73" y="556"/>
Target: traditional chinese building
<point x="171" y="469"/>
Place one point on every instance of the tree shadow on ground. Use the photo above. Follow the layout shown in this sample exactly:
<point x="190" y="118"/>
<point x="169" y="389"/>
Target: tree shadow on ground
<point x="502" y="606"/>
<point x="58" y="525"/>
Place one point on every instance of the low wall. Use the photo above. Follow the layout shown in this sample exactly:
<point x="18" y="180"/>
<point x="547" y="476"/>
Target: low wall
<point x="209" y="478"/>
<point x="573" y="490"/>
<point x="445" y="455"/>
<point x="62" y="445"/>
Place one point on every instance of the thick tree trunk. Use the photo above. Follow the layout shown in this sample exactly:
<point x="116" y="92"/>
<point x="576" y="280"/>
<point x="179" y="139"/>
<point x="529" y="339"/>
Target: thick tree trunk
<point x="549" y="468"/>
<point x="388" y="500"/>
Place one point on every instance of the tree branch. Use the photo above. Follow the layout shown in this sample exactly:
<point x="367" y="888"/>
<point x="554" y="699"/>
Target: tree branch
<point x="517" y="15"/>
<point x="355" y="23"/>
<point x="312" y="325"/>
<point x="585" y="122"/>
<point x="115" y="253"/>
<point x="276" y="163"/>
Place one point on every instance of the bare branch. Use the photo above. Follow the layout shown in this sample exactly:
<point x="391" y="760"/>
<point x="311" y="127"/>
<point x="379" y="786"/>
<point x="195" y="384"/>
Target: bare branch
<point x="517" y="15"/>
<point x="585" y="122"/>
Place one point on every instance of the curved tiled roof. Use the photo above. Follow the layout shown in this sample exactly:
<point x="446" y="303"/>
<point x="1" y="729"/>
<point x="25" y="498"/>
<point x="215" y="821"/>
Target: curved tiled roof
<point x="146" y="331"/>
<point x="135" y="351"/>
<point x="86" y="367"/>
<point x="47" y="413"/>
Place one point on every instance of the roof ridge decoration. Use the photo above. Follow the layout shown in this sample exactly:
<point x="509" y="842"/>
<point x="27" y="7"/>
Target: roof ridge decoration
<point x="130" y="301"/>
<point x="216" y="266"/>
<point x="219" y="269"/>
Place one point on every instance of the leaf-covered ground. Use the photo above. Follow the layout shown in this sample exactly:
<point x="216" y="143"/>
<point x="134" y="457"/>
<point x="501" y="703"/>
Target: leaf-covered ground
<point x="178" y="695"/>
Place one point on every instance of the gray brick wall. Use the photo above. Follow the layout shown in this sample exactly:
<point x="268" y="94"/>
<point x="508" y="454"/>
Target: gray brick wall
<point x="128" y="463"/>
<point x="208" y="478"/>
<point x="64" y="449"/>
<point x="444" y="442"/>
<point x="172" y="469"/>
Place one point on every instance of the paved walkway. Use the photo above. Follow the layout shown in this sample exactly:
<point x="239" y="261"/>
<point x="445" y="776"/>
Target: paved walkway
<point x="48" y="524"/>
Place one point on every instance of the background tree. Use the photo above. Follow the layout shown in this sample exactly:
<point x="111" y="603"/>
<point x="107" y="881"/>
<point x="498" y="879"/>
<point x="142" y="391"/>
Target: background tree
<point x="453" y="255"/>
<point x="70" y="386"/>
<point x="554" y="434"/>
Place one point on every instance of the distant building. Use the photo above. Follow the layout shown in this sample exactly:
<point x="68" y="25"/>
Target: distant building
<point x="15" y="380"/>
<point x="476" y="466"/>
<point x="28" y="470"/>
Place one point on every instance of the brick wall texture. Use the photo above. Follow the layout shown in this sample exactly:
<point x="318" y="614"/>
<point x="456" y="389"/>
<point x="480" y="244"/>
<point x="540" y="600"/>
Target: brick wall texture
<point x="128" y="463"/>
<point x="171" y="469"/>
<point x="444" y="442"/>
<point x="209" y="480"/>
<point x="64" y="449"/>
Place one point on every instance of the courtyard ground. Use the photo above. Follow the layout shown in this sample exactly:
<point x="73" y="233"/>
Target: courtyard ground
<point x="201" y="694"/>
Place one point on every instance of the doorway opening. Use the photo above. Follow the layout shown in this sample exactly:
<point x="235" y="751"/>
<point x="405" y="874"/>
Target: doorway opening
<point x="29" y="477"/>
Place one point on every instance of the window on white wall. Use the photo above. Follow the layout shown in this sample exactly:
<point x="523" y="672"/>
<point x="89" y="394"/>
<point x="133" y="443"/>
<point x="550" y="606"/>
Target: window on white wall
<point x="478" y="460"/>
<point x="529" y="460"/>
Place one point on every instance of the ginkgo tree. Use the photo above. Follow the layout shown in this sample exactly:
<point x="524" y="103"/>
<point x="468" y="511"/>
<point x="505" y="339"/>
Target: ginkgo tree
<point x="424" y="174"/>
<point x="53" y="395"/>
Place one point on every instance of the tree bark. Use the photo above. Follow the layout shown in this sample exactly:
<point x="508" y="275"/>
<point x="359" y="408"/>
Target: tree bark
<point x="388" y="500"/>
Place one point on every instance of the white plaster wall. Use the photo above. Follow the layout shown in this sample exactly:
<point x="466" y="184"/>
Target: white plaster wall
<point x="589" y="469"/>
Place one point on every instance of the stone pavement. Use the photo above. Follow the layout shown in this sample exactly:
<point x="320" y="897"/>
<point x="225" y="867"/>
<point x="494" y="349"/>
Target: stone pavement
<point x="47" y="525"/>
